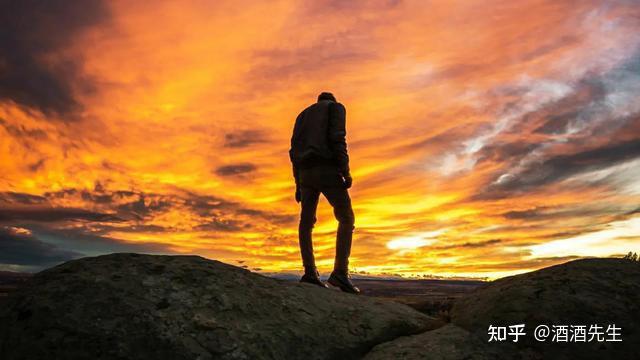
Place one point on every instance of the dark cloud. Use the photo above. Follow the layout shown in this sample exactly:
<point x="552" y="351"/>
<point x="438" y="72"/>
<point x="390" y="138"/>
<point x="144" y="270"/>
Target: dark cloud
<point x="84" y="240"/>
<point x="568" y="133"/>
<point x="10" y="197"/>
<point x="234" y="170"/>
<point x="280" y="219"/>
<point x="145" y="205"/>
<point x="61" y="194"/>
<point x="561" y="167"/>
<point x="480" y="244"/>
<point x="557" y="124"/>
<point x="525" y="214"/>
<point x="471" y="245"/>
<point x="32" y="248"/>
<point x="223" y="225"/>
<point x="18" y="248"/>
<point x="584" y="106"/>
<point x="208" y="205"/>
<point x="53" y="214"/>
<point x="634" y="211"/>
<point x="98" y="197"/>
<point x="124" y="206"/>
<point x="218" y="208"/>
<point x="506" y="151"/>
<point x="125" y="211"/>
<point x="584" y="114"/>
<point x="22" y="132"/>
<point x="38" y="165"/>
<point x="125" y="203"/>
<point x="572" y="212"/>
<point x="102" y="229"/>
<point x="32" y="30"/>
<point x="242" y="139"/>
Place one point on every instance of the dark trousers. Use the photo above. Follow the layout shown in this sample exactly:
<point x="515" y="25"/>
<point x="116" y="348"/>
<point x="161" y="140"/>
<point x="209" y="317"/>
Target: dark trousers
<point x="325" y="180"/>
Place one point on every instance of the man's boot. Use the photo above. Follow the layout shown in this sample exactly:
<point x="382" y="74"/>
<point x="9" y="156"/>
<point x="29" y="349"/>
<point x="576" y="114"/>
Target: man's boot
<point x="312" y="276"/>
<point x="342" y="279"/>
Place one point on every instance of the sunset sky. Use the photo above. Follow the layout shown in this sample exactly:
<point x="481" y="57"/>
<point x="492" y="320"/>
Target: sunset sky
<point x="486" y="138"/>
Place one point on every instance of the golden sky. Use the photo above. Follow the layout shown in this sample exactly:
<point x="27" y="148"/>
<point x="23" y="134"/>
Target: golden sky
<point x="486" y="138"/>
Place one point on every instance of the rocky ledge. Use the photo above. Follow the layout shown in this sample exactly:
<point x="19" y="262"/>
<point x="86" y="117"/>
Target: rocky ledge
<point x="586" y="292"/>
<point x="130" y="306"/>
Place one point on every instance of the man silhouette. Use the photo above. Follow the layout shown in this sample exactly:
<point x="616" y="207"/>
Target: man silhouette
<point x="321" y="165"/>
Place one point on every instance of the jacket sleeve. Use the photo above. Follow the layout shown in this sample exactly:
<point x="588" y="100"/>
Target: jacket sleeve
<point x="337" y="136"/>
<point x="296" y="177"/>
<point x="292" y="150"/>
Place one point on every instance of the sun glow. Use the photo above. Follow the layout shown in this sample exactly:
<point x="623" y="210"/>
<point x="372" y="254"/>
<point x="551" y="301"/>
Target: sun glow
<point x="414" y="242"/>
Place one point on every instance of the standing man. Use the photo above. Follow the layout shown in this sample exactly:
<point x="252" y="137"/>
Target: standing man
<point x="321" y="165"/>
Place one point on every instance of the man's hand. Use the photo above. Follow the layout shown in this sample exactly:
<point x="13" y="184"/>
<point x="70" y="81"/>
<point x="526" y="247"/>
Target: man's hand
<point x="298" y="195"/>
<point x="348" y="181"/>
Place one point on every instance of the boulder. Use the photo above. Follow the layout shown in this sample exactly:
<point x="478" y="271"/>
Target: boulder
<point x="586" y="292"/>
<point x="131" y="306"/>
<point x="582" y="292"/>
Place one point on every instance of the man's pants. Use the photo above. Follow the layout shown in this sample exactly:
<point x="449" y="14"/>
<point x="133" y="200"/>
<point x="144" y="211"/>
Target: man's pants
<point x="314" y="182"/>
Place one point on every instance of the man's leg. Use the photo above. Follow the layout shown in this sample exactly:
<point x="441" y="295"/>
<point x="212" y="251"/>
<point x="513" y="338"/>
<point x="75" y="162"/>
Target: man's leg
<point x="307" y="221"/>
<point x="341" y="202"/>
<point x="339" y="199"/>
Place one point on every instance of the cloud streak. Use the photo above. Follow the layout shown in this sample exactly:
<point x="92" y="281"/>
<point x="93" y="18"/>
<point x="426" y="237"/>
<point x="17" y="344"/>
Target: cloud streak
<point x="19" y="247"/>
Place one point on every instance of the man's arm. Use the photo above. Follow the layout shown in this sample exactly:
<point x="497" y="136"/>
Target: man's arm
<point x="294" y="168"/>
<point x="337" y="137"/>
<point x="293" y="163"/>
<point x="298" y="194"/>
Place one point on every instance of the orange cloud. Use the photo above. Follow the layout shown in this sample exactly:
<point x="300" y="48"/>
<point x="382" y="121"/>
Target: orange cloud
<point x="478" y="132"/>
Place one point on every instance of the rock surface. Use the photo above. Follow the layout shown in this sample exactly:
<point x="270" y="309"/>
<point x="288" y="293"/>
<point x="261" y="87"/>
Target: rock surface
<point x="130" y="306"/>
<point x="581" y="292"/>
<point x="446" y="343"/>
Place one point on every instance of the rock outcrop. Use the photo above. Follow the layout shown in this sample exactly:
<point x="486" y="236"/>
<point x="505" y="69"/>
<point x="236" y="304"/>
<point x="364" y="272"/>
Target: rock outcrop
<point x="582" y="292"/>
<point x="130" y="306"/>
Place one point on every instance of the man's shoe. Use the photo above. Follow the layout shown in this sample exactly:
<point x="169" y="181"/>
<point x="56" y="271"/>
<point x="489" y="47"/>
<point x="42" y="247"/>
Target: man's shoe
<point x="313" y="278"/>
<point x="343" y="281"/>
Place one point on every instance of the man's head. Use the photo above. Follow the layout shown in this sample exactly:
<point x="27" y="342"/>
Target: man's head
<point x="326" y="96"/>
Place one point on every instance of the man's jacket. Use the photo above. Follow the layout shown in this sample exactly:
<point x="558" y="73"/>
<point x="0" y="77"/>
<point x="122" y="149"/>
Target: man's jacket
<point x="319" y="137"/>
